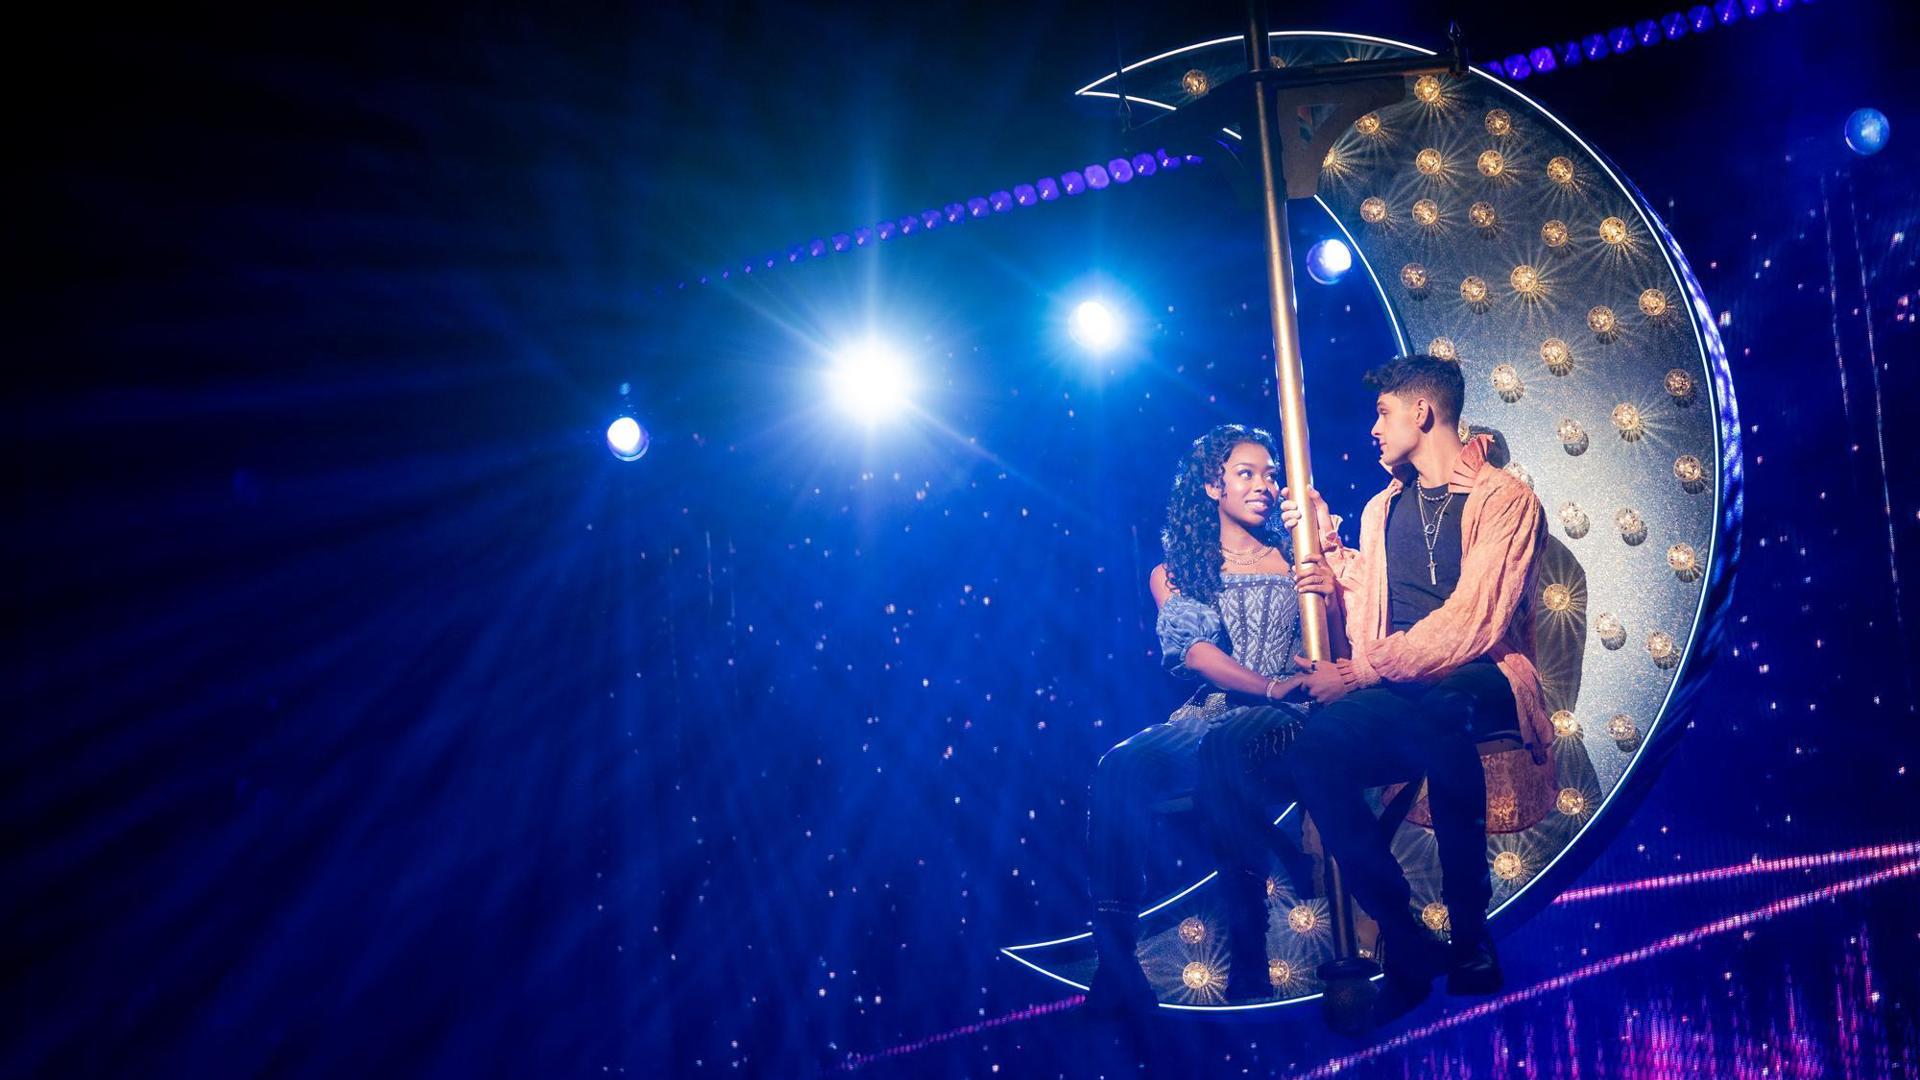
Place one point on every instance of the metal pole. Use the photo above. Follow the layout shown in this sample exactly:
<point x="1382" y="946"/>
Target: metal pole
<point x="1289" y="382"/>
<point x="1290" y="387"/>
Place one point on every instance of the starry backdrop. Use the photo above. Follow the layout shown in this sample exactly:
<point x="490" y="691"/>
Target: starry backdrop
<point x="368" y="714"/>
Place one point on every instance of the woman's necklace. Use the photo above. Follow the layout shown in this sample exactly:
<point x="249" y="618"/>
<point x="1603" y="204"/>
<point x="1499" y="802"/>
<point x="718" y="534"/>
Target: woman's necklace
<point x="1431" y="532"/>
<point x="1245" y="558"/>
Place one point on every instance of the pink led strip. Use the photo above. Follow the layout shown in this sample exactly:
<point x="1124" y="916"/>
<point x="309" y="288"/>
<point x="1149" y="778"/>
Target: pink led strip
<point x="1600" y="967"/>
<point x="1746" y="869"/>
<point x="857" y="1060"/>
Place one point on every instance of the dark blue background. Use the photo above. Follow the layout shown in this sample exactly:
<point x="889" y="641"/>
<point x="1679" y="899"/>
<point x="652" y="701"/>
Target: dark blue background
<point x="365" y="714"/>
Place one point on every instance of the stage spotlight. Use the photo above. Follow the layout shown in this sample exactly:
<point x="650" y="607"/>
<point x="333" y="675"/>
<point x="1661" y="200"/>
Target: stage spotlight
<point x="1328" y="261"/>
<point x="1094" y="326"/>
<point x="1867" y="131"/>
<point x="870" y="381"/>
<point x="627" y="439"/>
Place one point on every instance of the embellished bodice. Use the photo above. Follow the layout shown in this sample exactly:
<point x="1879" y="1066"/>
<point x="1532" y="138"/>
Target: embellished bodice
<point x="1255" y="619"/>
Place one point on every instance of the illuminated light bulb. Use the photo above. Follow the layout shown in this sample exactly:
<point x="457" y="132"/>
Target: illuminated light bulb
<point x="1560" y="170"/>
<point x="1301" y="919"/>
<point x="1572" y="436"/>
<point x="1474" y="291"/>
<point x="1525" y="281"/>
<point x="1613" y="231"/>
<point x="1555" y="233"/>
<point x="1273" y="888"/>
<point x="1683" y="562"/>
<point x="1196" y="83"/>
<point x="1575" y="520"/>
<point x="1499" y="122"/>
<point x="1368" y="125"/>
<point x="1653" y="303"/>
<point x="1427" y="89"/>
<point x="1680" y="557"/>
<point x="1426" y="212"/>
<point x="1429" y="162"/>
<point x="1506" y="383"/>
<point x="1627" y="418"/>
<point x="1280" y="973"/>
<point x="1565" y="724"/>
<point x="1603" y="322"/>
<point x="1622" y="728"/>
<point x="1557" y="597"/>
<point x="1691" y="473"/>
<point x="1558" y="358"/>
<point x="1197" y="976"/>
<point x="1435" y="916"/>
<point x="1482" y="215"/>
<point x="1608" y="629"/>
<point x="1192" y="930"/>
<point x="1492" y="163"/>
<point x="1512" y="468"/>
<point x="1509" y="866"/>
<point x="1442" y="348"/>
<point x="1414" y="277"/>
<point x="1373" y="210"/>
<point x="1570" y="802"/>
<point x="1633" y="527"/>
<point x="1679" y="385"/>
<point x="1660" y="647"/>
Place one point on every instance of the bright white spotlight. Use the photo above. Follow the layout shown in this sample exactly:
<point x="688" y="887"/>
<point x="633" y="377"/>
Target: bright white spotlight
<point x="627" y="439"/>
<point x="1328" y="261"/>
<point x="1094" y="326"/>
<point x="870" y="381"/>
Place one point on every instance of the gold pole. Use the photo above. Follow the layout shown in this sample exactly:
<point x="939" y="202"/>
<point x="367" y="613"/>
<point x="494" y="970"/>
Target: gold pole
<point x="1289" y="381"/>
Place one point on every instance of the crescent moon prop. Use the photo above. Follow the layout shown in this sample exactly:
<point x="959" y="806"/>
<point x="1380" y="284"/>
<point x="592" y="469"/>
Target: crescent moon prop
<point x="1498" y="237"/>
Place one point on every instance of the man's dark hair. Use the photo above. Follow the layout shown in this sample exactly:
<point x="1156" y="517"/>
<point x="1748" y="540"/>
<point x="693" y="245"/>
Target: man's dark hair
<point x="1437" y="380"/>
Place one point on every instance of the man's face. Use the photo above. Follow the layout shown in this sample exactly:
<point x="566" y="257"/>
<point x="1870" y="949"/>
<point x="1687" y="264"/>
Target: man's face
<point x="1397" y="425"/>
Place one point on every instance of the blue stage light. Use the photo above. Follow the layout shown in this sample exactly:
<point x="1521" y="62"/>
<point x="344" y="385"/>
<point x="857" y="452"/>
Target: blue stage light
<point x="870" y="381"/>
<point x="1518" y="67"/>
<point x="1094" y="326"/>
<point x="1328" y="261"/>
<point x="1072" y="182"/>
<point x="1867" y="131"/>
<point x="1025" y="195"/>
<point x="1120" y="169"/>
<point x="627" y="439"/>
<point x="1097" y="177"/>
<point x="1620" y="38"/>
<point x="1542" y="59"/>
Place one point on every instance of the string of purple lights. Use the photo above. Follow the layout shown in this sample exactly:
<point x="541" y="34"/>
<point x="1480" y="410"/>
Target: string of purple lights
<point x="1695" y="20"/>
<point x="1094" y="177"/>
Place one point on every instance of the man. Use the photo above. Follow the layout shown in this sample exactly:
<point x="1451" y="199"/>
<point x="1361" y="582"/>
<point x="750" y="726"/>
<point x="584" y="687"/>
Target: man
<point x="1439" y="624"/>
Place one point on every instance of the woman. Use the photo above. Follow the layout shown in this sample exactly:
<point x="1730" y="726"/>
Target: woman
<point x="1230" y="617"/>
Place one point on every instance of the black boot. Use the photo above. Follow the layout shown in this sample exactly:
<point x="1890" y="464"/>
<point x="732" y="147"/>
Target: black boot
<point x="1119" y="986"/>
<point x="1474" y="967"/>
<point x="1411" y="959"/>
<point x="1245" y="897"/>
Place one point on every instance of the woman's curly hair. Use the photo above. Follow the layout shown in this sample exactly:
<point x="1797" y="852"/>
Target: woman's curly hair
<point x="1192" y="536"/>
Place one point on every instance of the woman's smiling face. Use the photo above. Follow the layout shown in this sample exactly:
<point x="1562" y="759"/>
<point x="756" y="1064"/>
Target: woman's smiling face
<point x="1250" y="487"/>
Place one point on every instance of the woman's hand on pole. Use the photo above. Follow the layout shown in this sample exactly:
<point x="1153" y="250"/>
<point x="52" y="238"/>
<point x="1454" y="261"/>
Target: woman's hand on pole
<point x="1310" y="575"/>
